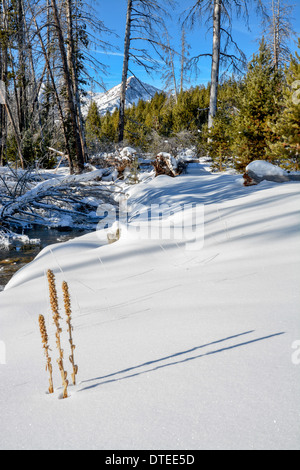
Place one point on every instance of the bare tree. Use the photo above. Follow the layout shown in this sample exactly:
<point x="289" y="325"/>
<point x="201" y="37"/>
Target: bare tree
<point x="278" y="30"/>
<point x="225" y="50"/>
<point x="44" y="57"/>
<point x="169" y="73"/>
<point x="7" y="29"/>
<point x="144" y="23"/>
<point x="183" y="59"/>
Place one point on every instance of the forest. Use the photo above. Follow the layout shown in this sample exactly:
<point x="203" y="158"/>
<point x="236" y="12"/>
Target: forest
<point x="250" y="112"/>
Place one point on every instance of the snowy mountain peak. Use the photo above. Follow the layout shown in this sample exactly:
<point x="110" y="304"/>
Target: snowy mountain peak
<point x="109" y="101"/>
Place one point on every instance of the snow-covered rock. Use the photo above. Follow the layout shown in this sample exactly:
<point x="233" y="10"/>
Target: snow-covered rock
<point x="260" y="170"/>
<point x="263" y="169"/>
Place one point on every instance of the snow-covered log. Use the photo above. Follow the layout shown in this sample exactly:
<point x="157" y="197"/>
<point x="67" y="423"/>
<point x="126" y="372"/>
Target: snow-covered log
<point x="166" y="164"/>
<point x="123" y="161"/>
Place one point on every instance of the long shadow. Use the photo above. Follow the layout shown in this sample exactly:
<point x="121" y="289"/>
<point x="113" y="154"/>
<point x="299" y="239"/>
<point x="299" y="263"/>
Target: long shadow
<point x="216" y="188"/>
<point x="161" y="366"/>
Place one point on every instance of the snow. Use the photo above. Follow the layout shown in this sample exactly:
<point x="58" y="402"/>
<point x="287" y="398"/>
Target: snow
<point x="127" y="152"/>
<point x="8" y="238"/>
<point x="179" y="345"/>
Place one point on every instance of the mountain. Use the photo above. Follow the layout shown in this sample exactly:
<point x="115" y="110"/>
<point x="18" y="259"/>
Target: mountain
<point x="109" y="101"/>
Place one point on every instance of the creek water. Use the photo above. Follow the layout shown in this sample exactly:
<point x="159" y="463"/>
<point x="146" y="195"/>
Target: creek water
<point x="18" y="255"/>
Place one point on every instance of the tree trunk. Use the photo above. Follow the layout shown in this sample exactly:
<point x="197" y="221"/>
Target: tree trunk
<point x="215" y="63"/>
<point x="5" y="107"/>
<point x="125" y="72"/>
<point x="182" y="61"/>
<point x="3" y="74"/>
<point x="276" y="40"/>
<point x="56" y="95"/>
<point x="171" y="54"/>
<point x="21" y="91"/>
<point x="76" y="154"/>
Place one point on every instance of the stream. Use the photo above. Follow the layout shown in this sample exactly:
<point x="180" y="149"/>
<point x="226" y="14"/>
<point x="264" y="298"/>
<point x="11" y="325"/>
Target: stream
<point x="18" y="255"/>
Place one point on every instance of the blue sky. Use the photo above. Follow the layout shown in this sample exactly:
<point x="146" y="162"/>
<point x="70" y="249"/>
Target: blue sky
<point x="113" y="14"/>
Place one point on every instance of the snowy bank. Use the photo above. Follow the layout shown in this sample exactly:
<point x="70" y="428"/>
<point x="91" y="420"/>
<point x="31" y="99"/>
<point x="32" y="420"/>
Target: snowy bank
<point x="177" y="348"/>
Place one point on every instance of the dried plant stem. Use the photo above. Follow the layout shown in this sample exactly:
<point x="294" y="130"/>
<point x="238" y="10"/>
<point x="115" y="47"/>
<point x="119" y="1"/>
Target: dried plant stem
<point x="56" y="318"/>
<point x="44" y="336"/>
<point x="67" y="303"/>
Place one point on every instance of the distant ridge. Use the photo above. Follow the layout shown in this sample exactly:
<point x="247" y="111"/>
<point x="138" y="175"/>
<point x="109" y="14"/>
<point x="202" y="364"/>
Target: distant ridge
<point x="109" y="101"/>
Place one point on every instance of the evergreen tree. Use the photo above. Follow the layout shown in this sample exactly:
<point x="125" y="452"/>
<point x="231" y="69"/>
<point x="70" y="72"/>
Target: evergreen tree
<point x="109" y="125"/>
<point x="144" y="23"/>
<point x="287" y="128"/>
<point x="218" y="140"/>
<point x="93" y="126"/>
<point x="258" y="104"/>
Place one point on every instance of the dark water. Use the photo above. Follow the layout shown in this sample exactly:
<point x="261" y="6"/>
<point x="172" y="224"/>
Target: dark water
<point x="18" y="255"/>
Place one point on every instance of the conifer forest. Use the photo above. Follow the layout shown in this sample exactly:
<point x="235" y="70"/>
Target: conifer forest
<point x="249" y="112"/>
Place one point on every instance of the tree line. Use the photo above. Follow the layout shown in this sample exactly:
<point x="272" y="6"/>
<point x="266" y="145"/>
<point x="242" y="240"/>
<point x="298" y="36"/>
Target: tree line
<point x="258" y="117"/>
<point x="45" y="57"/>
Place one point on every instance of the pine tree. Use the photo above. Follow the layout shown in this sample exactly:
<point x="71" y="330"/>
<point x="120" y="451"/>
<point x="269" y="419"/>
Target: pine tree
<point x="258" y="104"/>
<point x="109" y="125"/>
<point x="218" y="140"/>
<point x="92" y="125"/>
<point x="287" y="128"/>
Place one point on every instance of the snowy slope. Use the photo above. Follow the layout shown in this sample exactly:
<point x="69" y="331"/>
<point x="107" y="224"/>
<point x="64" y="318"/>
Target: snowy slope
<point x="110" y="100"/>
<point x="176" y="348"/>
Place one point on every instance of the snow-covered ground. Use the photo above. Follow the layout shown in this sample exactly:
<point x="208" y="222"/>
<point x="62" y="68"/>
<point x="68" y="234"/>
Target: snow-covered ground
<point x="179" y="345"/>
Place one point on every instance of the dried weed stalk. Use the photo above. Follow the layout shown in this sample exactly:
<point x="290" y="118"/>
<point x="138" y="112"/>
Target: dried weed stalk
<point x="67" y="303"/>
<point x="44" y="336"/>
<point x="56" y="318"/>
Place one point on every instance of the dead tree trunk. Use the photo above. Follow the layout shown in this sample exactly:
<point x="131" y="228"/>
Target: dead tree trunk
<point x="125" y="72"/>
<point x="56" y="95"/>
<point x="3" y="75"/>
<point x="71" y="56"/>
<point x="76" y="153"/>
<point x="215" y="63"/>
